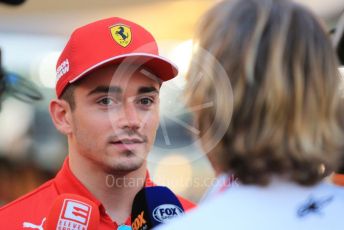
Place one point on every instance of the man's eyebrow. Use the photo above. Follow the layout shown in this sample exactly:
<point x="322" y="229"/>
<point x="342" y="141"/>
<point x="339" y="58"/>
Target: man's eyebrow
<point x="105" y="89"/>
<point x="147" y="89"/>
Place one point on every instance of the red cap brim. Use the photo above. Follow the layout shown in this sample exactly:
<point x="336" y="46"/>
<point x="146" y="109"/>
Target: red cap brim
<point x="159" y="66"/>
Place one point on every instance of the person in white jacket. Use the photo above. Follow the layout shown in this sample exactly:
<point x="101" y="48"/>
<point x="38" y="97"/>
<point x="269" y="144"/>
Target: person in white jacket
<point x="284" y="137"/>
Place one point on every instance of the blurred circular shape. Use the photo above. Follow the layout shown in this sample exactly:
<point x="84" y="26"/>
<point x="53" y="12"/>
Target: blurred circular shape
<point x="341" y="71"/>
<point x="47" y="73"/>
<point x="181" y="55"/>
<point x="175" y="172"/>
<point x="15" y="120"/>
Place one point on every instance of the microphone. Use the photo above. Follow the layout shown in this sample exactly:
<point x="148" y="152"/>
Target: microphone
<point x="153" y="206"/>
<point x="12" y="2"/>
<point x="72" y="212"/>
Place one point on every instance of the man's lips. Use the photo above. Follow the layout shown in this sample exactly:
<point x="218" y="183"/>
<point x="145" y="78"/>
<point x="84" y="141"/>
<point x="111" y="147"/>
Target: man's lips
<point x="125" y="144"/>
<point x="128" y="141"/>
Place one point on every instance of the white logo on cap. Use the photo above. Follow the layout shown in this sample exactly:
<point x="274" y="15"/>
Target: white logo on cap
<point x="62" y="69"/>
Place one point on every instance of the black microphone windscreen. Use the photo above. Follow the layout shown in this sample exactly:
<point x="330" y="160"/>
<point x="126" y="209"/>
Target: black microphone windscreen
<point x="12" y="2"/>
<point x="153" y="206"/>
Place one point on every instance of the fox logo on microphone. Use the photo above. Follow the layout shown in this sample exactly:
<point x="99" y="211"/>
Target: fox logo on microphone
<point x="75" y="215"/>
<point x="165" y="212"/>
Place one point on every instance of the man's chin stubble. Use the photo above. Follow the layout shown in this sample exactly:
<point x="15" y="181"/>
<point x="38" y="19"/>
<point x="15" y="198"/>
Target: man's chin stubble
<point x="124" y="167"/>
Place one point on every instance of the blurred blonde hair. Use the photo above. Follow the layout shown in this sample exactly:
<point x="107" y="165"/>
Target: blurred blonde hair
<point x="284" y="77"/>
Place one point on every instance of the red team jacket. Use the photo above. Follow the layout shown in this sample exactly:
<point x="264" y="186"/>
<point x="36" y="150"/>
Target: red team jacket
<point x="29" y="211"/>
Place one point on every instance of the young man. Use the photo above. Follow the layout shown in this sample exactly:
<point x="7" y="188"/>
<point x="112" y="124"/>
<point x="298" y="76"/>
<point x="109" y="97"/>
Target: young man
<point x="109" y="76"/>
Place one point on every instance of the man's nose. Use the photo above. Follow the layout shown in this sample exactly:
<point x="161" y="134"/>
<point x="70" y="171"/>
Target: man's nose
<point x="130" y="118"/>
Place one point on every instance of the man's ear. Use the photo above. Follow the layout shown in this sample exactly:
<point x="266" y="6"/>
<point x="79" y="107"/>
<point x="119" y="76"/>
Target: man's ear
<point x="61" y="114"/>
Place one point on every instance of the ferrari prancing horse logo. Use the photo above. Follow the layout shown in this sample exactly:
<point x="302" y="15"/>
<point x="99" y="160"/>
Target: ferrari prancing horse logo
<point x="121" y="34"/>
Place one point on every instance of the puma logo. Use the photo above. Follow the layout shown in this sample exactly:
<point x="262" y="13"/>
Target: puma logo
<point x="30" y="225"/>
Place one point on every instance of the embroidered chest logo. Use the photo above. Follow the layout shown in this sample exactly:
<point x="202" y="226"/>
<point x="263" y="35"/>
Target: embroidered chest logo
<point x="121" y="34"/>
<point x="313" y="206"/>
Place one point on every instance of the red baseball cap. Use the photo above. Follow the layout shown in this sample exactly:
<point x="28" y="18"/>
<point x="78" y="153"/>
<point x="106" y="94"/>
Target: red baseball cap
<point x="111" y="40"/>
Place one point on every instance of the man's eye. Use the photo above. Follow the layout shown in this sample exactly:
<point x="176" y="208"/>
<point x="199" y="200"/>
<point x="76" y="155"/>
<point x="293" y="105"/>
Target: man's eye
<point x="146" y="101"/>
<point x="106" y="101"/>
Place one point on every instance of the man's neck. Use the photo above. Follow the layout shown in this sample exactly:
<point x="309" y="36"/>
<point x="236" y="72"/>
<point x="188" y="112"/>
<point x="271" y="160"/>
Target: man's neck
<point x="116" y="190"/>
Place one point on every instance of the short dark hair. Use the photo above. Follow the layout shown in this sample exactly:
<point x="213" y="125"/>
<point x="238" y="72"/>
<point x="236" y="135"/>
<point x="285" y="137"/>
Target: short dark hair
<point x="68" y="95"/>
